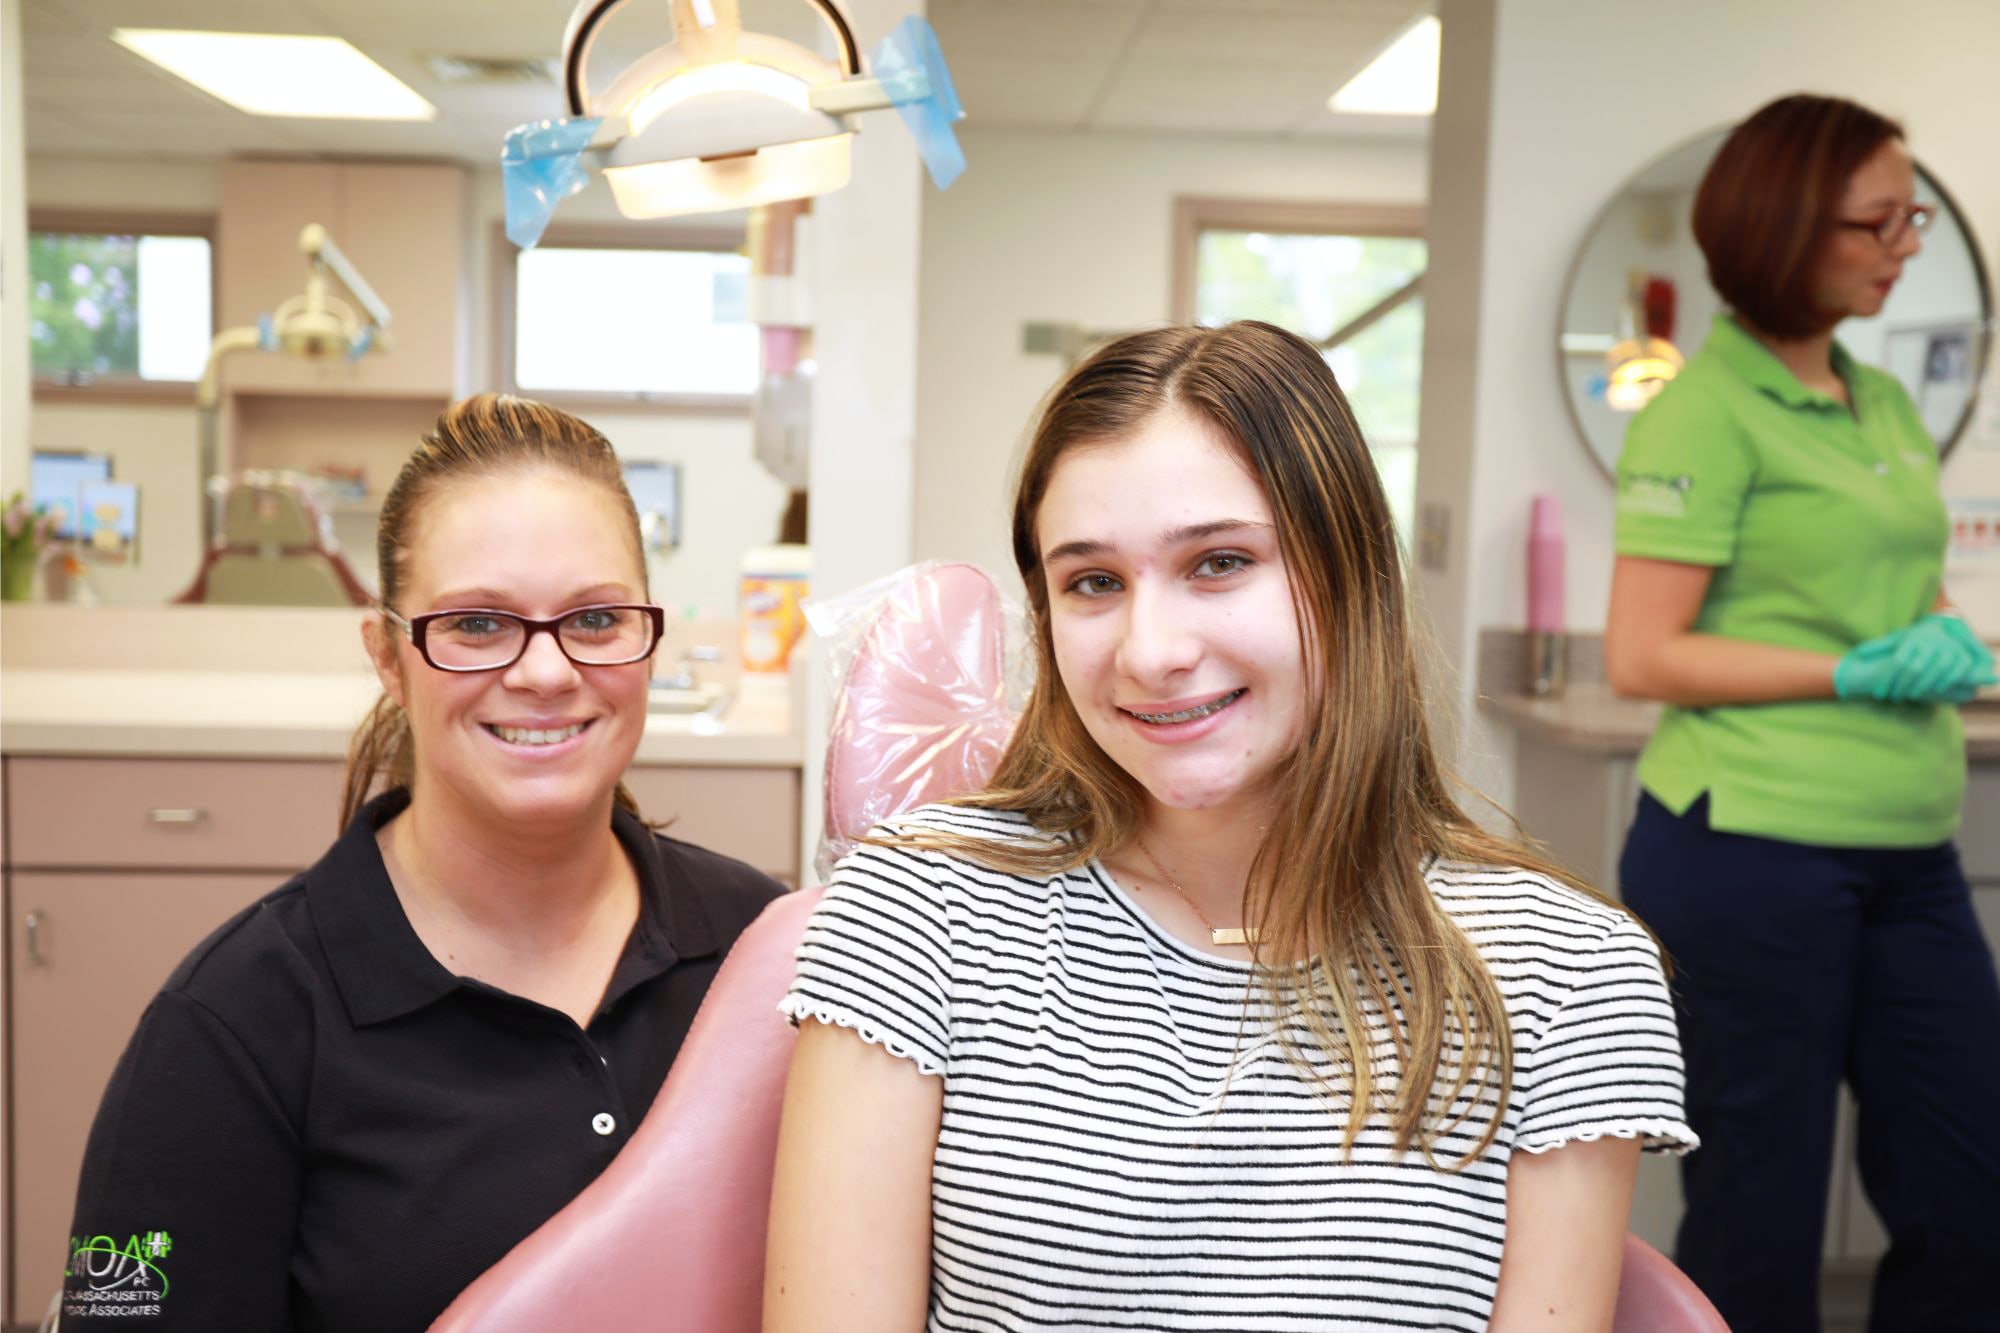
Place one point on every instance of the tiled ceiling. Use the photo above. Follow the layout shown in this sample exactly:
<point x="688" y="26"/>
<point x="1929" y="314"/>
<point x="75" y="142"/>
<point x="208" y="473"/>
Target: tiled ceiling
<point x="1262" y="67"/>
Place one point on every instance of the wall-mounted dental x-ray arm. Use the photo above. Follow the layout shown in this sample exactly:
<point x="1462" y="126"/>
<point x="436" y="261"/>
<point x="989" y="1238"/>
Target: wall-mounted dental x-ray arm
<point x="312" y="324"/>
<point x="720" y="118"/>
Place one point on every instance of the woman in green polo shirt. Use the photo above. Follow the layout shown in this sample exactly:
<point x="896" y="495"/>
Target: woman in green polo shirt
<point x="1779" y="585"/>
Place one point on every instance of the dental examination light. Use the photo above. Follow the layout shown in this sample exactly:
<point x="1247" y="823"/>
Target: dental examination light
<point x="315" y="324"/>
<point x="1644" y="357"/>
<point x="720" y="118"/>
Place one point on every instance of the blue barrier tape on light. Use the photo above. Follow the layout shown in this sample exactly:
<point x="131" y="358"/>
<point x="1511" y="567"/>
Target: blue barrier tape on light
<point x="541" y="164"/>
<point x="913" y="73"/>
<point x="267" y="334"/>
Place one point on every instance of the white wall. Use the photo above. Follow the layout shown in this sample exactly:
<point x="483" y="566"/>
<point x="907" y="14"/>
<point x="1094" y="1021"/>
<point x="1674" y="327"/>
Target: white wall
<point x="1578" y="102"/>
<point x="13" y="260"/>
<point x="1072" y="228"/>
<point x="13" y="409"/>
<point x="729" y="502"/>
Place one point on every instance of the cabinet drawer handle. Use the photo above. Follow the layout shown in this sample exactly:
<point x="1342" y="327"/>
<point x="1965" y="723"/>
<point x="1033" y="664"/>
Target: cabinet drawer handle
<point x="33" y="921"/>
<point x="182" y="817"/>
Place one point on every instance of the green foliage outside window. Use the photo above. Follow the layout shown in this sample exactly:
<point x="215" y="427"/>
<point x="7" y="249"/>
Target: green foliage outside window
<point x="83" y="304"/>
<point x="1314" y="284"/>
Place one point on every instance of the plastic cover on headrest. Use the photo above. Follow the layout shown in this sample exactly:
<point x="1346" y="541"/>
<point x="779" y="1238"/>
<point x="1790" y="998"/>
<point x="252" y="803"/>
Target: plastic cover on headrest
<point x="922" y="707"/>
<point x="262" y="508"/>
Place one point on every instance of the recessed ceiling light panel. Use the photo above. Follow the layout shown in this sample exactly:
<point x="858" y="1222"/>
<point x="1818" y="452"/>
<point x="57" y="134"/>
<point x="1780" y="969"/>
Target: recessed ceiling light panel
<point x="1402" y="81"/>
<point x="270" y="74"/>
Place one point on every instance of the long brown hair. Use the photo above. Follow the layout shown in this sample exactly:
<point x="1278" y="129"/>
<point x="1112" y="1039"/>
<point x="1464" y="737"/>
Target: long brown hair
<point x="1340" y="874"/>
<point x="1770" y="201"/>
<point x="476" y="437"/>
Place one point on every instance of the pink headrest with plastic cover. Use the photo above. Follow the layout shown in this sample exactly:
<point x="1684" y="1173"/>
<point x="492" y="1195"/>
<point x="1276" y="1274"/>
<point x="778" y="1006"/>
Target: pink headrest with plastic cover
<point x="922" y="714"/>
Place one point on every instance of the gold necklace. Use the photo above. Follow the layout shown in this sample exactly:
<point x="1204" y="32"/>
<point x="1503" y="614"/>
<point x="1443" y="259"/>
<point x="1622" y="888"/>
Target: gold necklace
<point x="1216" y="935"/>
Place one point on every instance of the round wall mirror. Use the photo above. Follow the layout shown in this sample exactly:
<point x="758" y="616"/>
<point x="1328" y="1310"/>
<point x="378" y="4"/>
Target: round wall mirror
<point x="1640" y="274"/>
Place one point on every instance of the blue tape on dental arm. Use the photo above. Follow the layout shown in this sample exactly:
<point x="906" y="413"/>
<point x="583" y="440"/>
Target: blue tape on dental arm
<point x="913" y="73"/>
<point x="267" y="334"/>
<point x="541" y="164"/>
<point x="362" y="342"/>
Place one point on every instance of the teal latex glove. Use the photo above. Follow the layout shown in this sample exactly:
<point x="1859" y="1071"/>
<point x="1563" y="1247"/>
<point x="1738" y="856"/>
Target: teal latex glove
<point x="1940" y="657"/>
<point x="1937" y="660"/>
<point x="1955" y="626"/>
<point x="1869" y="670"/>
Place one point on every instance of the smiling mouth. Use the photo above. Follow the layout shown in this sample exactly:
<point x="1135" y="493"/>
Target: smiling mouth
<point x="532" y="736"/>
<point x="1188" y="714"/>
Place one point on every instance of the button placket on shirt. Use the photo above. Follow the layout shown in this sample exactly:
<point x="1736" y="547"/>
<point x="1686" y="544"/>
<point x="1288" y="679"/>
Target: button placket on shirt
<point x="594" y="1068"/>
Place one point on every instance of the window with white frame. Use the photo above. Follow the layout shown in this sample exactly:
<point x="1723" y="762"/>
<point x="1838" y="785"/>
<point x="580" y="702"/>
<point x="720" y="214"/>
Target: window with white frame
<point x="110" y="305"/>
<point x="623" y="320"/>
<point x="1357" y="269"/>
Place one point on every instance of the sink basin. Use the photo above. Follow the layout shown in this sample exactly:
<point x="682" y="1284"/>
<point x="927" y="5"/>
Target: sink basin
<point x="671" y="699"/>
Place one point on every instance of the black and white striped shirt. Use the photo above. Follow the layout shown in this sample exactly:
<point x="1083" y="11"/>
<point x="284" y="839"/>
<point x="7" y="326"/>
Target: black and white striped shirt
<point x="1125" y="1145"/>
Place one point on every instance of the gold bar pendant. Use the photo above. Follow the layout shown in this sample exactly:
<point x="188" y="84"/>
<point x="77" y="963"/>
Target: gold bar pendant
<point x="1232" y="935"/>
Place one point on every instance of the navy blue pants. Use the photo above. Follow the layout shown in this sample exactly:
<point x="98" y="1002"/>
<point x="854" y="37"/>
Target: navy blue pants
<point x="1798" y="966"/>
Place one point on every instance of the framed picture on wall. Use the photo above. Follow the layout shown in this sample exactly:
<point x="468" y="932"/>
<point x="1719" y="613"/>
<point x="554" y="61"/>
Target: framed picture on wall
<point x="656" y="493"/>
<point x="108" y="521"/>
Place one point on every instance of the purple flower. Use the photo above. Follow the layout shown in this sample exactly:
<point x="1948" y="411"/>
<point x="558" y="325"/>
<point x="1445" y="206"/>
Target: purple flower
<point x="88" y="314"/>
<point x="79" y="273"/>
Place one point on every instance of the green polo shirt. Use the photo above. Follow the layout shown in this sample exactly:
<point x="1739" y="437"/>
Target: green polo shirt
<point x="1825" y="528"/>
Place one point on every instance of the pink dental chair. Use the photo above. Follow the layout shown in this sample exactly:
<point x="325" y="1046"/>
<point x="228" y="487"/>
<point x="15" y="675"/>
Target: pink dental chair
<point x="274" y="546"/>
<point x="671" y="1236"/>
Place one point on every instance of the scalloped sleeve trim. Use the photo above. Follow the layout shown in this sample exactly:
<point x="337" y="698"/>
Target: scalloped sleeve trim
<point x="1672" y="1137"/>
<point x="796" y="1008"/>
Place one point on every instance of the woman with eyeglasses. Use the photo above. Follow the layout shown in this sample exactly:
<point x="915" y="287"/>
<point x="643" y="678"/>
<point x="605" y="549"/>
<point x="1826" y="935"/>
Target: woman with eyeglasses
<point x="1779" y="585"/>
<point x="361" y="1092"/>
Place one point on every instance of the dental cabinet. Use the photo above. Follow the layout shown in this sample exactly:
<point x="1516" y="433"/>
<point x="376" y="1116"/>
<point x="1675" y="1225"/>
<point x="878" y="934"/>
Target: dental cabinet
<point x="115" y="869"/>
<point x="145" y="805"/>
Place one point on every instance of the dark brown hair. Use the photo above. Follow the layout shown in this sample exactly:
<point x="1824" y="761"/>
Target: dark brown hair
<point x="1339" y="875"/>
<point x="481" y="436"/>
<point x="1769" y="203"/>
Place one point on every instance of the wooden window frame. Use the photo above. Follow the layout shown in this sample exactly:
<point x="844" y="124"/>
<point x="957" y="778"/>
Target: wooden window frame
<point x="48" y="388"/>
<point x="1194" y="215"/>
<point x="608" y="236"/>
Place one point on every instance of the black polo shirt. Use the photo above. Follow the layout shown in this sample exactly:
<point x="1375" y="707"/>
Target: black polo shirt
<point x="317" y="1126"/>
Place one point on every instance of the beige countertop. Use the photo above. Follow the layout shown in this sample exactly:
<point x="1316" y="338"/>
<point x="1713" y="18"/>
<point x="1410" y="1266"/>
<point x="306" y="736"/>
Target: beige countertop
<point x="1591" y="718"/>
<point x="310" y="715"/>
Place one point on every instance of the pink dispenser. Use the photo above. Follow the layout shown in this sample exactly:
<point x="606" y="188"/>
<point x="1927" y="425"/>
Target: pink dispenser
<point x="1545" y="597"/>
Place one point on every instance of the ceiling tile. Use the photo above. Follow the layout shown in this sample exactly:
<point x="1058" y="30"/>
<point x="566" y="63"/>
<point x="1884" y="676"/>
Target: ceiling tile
<point x="1000" y="94"/>
<point x="1331" y="40"/>
<point x="64" y="133"/>
<point x="216" y="15"/>
<point x="1197" y="96"/>
<point x="39" y="17"/>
